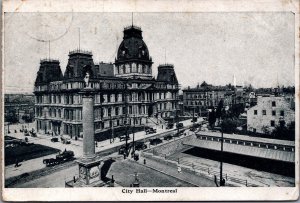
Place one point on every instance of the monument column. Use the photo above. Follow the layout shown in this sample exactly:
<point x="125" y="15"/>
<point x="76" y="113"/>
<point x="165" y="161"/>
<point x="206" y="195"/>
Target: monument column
<point x="88" y="124"/>
<point x="89" y="164"/>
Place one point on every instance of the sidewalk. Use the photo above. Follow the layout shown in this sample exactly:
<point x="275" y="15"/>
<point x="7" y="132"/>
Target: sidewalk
<point x="185" y="175"/>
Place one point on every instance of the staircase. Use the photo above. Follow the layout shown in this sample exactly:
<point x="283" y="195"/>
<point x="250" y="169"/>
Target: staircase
<point x="153" y="120"/>
<point x="162" y="121"/>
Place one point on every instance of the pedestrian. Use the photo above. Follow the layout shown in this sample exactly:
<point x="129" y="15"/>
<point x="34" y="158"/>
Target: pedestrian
<point x="74" y="179"/>
<point x="179" y="169"/>
<point x="16" y="163"/>
<point x="145" y="161"/>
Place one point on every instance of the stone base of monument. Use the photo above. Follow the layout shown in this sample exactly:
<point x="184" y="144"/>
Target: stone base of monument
<point x="89" y="174"/>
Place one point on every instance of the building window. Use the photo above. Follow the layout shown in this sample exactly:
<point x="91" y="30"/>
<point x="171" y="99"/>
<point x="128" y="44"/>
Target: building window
<point x="272" y="123"/>
<point x="273" y="103"/>
<point x="255" y="112"/>
<point x="281" y="113"/>
<point x="117" y="111"/>
<point x="264" y="112"/>
<point x="273" y="113"/>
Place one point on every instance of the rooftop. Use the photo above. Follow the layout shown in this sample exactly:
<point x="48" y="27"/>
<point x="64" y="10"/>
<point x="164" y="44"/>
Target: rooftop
<point x="166" y="64"/>
<point x="132" y="26"/>
<point x="49" y="60"/>
<point x="80" y="51"/>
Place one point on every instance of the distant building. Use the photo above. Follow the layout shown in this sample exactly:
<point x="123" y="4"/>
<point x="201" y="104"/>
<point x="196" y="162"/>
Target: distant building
<point x="126" y="91"/>
<point x="265" y="116"/>
<point x="18" y="105"/>
<point x="205" y="96"/>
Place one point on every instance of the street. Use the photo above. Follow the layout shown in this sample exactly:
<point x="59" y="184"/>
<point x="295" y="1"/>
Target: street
<point x="76" y="146"/>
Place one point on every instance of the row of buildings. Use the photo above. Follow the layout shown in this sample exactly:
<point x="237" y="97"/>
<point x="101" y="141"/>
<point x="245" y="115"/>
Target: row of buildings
<point x="263" y="108"/>
<point x="18" y="108"/>
<point x="127" y="92"/>
<point x="197" y="101"/>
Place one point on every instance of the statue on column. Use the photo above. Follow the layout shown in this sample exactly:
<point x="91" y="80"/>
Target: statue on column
<point x="86" y="80"/>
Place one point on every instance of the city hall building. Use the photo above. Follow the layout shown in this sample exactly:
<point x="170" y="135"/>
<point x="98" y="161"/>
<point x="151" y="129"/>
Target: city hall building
<point x="126" y="91"/>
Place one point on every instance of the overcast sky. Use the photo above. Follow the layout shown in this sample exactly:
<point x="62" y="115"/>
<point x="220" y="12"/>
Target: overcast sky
<point x="257" y="47"/>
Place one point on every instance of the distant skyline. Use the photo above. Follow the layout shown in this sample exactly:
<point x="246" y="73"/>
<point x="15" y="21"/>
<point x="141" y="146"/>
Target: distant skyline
<point x="258" y="48"/>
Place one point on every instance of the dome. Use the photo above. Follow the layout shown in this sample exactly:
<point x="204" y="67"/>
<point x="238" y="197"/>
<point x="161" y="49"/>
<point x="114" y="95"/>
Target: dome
<point x="133" y="46"/>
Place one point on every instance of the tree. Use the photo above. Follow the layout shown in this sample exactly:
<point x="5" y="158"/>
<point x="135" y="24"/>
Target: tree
<point x="219" y="109"/>
<point x="212" y="118"/>
<point x="11" y="116"/>
<point x="229" y="125"/>
<point x="282" y="131"/>
<point x="27" y="118"/>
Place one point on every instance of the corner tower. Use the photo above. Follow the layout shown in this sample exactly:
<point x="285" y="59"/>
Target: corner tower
<point x="166" y="73"/>
<point x="133" y="59"/>
<point x="49" y="71"/>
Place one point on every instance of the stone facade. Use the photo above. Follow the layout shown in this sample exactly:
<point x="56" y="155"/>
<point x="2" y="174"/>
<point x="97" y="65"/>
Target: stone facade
<point x="205" y="96"/>
<point x="264" y="116"/>
<point x="126" y="91"/>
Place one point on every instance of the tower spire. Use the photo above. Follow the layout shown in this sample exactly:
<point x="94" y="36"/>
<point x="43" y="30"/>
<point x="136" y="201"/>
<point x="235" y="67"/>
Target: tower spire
<point x="234" y="80"/>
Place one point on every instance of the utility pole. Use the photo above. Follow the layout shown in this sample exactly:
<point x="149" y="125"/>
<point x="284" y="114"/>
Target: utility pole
<point x="126" y="118"/>
<point x="222" y="183"/>
<point x="112" y="139"/>
<point x="221" y="161"/>
<point x="133" y="144"/>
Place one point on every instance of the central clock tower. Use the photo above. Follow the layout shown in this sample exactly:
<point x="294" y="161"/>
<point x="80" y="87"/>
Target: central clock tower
<point x="133" y="59"/>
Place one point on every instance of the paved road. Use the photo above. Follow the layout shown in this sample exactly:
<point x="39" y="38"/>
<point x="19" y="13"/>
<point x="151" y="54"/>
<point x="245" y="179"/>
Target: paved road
<point x="122" y="170"/>
<point x="76" y="146"/>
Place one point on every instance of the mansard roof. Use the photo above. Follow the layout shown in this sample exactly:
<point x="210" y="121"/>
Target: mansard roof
<point x="49" y="71"/>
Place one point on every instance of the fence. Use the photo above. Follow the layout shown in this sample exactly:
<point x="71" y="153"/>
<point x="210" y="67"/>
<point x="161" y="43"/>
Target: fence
<point x="200" y="170"/>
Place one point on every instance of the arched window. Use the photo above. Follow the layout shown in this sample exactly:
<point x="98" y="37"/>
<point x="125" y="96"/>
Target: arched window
<point x="59" y="113"/>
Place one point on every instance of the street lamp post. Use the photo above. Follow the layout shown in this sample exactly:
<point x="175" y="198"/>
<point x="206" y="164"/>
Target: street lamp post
<point x="222" y="182"/>
<point x="133" y="144"/>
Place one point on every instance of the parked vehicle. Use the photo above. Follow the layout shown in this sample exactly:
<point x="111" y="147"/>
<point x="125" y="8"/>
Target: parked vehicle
<point x="60" y="158"/>
<point x="140" y="146"/>
<point x="168" y="137"/>
<point x="65" y="140"/>
<point x="150" y="131"/>
<point x="122" y="150"/>
<point x="155" y="141"/>
<point x="55" y="139"/>
<point x="179" y="125"/>
<point x="170" y="125"/>
<point x="194" y="120"/>
<point x="193" y="128"/>
<point x="33" y="134"/>
<point x="178" y="134"/>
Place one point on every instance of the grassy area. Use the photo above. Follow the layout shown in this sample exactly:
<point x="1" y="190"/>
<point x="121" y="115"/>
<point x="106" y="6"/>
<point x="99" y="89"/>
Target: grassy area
<point x="26" y="152"/>
<point x="9" y="138"/>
